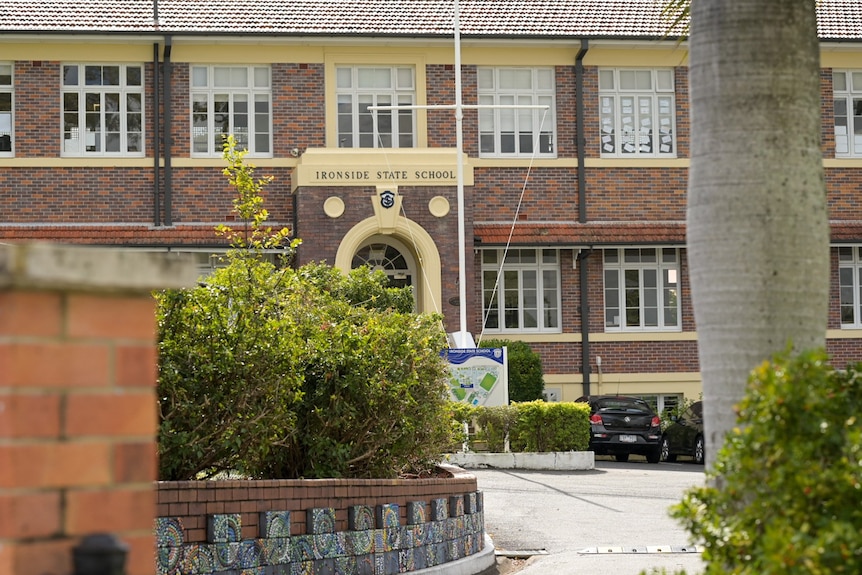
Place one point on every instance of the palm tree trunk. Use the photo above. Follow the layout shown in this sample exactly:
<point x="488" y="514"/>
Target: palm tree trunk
<point x="758" y="229"/>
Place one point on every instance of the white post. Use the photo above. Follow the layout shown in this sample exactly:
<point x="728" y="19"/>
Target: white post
<point x="459" y="148"/>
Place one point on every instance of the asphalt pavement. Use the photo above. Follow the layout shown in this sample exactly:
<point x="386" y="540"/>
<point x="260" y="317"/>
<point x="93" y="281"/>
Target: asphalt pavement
<point x="613" y="519"/>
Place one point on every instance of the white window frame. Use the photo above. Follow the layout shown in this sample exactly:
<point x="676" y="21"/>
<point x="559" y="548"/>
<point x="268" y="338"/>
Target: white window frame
<point x="7" y="116"/>
<point x="653" y="298"/>
<point x="217" y="93"/>
<point x="86" y="102"/>
<point x="512" y="293"/>
<point x="637" y="113"/>
<point x="850" y="286"/>
<point x="847" y="112"/>
<point x="359" y="87"/>
<point x="517" y="132"/>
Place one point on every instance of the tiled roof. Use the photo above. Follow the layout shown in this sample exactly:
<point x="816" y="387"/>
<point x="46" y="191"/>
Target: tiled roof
<point x="838" y="19"/>
<point x="610" y="233"/>
<point x="559" y="234"/>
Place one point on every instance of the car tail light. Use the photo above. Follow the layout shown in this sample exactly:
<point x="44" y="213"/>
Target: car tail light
<point x="656" y="421"/>
<point x="596" y="419"/>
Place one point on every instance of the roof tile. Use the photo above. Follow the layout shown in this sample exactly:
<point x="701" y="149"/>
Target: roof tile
<point x="838" y="20"/>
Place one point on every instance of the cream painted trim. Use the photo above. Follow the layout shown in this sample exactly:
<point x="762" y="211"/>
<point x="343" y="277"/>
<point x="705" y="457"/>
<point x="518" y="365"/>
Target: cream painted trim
<point x="524" y="162"/>
<point x="519" y="56"/>
<point x="842" y="163"/>
<point x="535" y="337"/>
<point x="839" y="334"/>
<point x="77" y="162"/>
<point x="840" y="59"/>
<point x="644" y="336"/>
<point x="646" y="55"/>
<point x="384" y="57"/>
<point x="218" y="52"/>
<point x="92" y="51"/>
<point x="637" y="163"/>
<point x="186" y="162"/>
<point x="596" y="337"/>
<point x="412" y="234"/>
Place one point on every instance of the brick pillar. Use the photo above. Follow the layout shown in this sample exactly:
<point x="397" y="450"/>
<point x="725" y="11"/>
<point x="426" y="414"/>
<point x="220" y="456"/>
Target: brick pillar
<point x="77" y="401"/>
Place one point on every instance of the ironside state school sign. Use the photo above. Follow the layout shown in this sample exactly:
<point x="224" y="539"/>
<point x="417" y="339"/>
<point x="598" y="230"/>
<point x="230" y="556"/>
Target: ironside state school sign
<point x="384" y="176"/>
<point x="370" y="167"/>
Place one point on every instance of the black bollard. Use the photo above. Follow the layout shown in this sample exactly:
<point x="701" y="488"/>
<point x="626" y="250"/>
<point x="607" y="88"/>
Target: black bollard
<point x="100" y="554"/>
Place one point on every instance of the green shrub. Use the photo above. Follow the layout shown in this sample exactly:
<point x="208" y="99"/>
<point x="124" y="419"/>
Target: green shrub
<point x="784" y="493"/>
<point x="495" y="424"/>
<point x="526" y="381"/>
<point x="264" y="372"/>
<point x="283" y="373"/>
<point x="229" y="380"/>
<point x="532" y="426"/>
<point x="545" y="427"/>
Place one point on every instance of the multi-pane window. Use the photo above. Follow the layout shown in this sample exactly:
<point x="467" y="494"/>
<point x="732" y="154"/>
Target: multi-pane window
<point x="231" y="100"/>
<point x="360" y="88"/>
<point x="636" y="112"/>
<point x="521" y="121"/>
<point x="847" y="94"/>
<point x="103" y="111"/>
<point x="850" y="285"/>
<point x="521" y="290"/>
<point x="6" y="107"/>
<point x="642" y="289"/>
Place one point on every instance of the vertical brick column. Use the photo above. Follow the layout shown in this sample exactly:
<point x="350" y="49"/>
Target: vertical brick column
<point x="78" y="417"/>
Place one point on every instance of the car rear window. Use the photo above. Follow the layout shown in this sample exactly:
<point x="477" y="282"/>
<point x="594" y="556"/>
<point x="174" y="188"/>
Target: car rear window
<point x="616" y="404"/>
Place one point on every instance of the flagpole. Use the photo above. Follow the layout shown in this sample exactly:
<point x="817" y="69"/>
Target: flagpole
<point x="462" y="339"/>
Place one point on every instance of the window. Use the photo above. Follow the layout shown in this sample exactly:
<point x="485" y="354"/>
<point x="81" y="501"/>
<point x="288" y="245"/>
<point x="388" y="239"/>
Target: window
<point x="663" y="404"/>
<point x="850" y="285"/>
<point x="516" y="131"/>
<point x="6" y="107"/>
<point x="231" y="100"/>
<point x="847" y="94"/>
<point x="637" y="113"/>
<point x="103" y="112"/>
<point x="642" y="289"/>
<point x="527" y="297"/>
<point x="360" y="87"/>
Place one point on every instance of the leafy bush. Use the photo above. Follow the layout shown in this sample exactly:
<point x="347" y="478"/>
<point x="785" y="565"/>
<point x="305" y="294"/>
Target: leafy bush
<point x="545" y="426"/>
<point x="783" y="495"/>
<point x="263" y="372"/>
<point x="228" y="379"/>
<point x="532" y="426"/>
<point x="282" y="373"/>
<point x="526" y="380"/>
<point x="495" y="424"/>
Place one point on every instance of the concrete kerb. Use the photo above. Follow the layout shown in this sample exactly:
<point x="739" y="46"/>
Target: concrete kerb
<point x="552" y="461"/>
<point x="470" y="565"/>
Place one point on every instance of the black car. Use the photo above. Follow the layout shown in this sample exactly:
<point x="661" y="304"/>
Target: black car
<point x="622" y="425"/>
<point x="685" y="435"/>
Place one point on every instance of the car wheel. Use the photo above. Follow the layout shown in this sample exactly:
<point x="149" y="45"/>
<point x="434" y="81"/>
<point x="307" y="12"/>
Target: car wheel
<point x="654" y="456"/>
<point x="698" y="450"/>
<point x="666" y="455"/>
<point x="622" y="457"/>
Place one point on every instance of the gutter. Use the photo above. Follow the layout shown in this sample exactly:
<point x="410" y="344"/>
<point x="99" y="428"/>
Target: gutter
<point x="582" y="255"/>
<point x="156" y="137"/>
<point x="167" y="68"/>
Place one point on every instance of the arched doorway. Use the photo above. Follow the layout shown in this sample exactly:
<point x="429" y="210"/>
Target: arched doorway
<point x="422" y="260"/>
<point x="389" y="256"/>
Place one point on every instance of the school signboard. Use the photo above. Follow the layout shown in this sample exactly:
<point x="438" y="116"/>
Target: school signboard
<point x="478" y="376"/>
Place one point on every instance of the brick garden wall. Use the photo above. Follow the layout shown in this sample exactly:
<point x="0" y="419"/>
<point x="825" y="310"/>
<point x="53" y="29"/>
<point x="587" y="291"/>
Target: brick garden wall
<point x="348" y="526"/>
<point x="77" y="402"/>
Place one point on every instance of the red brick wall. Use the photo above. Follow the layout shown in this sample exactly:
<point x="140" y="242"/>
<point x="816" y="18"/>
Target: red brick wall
<point x="192" y="501"/>
<point x="77" y="426"/>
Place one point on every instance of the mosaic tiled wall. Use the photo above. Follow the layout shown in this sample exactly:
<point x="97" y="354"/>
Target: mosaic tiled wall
<point x="375" y="543"/>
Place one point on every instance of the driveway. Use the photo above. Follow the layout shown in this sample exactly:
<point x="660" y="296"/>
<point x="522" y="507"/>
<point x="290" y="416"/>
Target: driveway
<point x="613" y="519"/>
